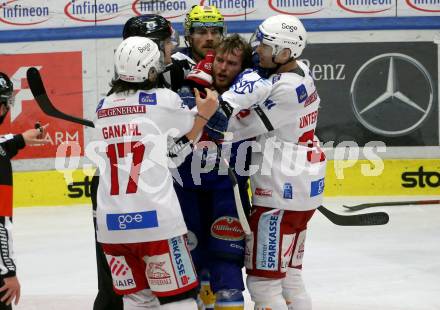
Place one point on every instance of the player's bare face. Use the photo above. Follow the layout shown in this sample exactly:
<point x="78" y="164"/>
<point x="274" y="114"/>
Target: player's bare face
<point x="205" y="39"/>
<point x="265" y="54"/>
<point x="225" y="68"/>
<point x="168" y="49"/>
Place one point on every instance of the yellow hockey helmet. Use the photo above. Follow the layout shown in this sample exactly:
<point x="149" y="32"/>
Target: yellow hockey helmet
<point x="203" y="16"/>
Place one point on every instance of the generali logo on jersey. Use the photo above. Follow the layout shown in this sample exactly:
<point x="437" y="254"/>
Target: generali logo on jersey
<point x="430" y="6"/>
<point x="62" y="76"/>
<point x="24" y="12"/>
<point x="169" y="9"/>
<point x="233" y="8"/>
<point x="297" y="7"/>
<point x="91" y="11"/>
<point x="366" y="6"/>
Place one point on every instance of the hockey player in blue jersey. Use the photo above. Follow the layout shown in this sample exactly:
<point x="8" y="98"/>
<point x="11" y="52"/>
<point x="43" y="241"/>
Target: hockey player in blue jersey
<point x="205" y="191"/>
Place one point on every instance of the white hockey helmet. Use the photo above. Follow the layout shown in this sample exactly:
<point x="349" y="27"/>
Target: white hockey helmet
<point x="279" y="32"/>
<point x="135" y="57"/>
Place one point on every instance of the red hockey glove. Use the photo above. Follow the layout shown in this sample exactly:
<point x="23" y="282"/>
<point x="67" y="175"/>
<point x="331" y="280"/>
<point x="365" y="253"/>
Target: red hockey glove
<point x="201" y="74"/>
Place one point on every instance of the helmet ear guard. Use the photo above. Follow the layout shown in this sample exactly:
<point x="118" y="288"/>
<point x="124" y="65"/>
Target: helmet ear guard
<point x="138" y="59"/>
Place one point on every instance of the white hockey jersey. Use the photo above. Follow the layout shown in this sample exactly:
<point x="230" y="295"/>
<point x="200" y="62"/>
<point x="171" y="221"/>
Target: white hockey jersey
<point x="136" y="199"/>
<point x="291" y="166"/>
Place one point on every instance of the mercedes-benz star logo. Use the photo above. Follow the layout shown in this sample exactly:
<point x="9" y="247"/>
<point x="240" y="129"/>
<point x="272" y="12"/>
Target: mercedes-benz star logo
<point x="392" y="94"/>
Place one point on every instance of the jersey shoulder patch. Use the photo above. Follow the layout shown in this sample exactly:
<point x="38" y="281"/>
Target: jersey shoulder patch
<point x="100" y="104"/>
<point x="147" y="98"/>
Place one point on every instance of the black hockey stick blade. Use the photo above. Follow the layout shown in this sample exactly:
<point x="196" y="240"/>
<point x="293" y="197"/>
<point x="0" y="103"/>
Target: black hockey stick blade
<point x="390" y="203"/>
<point x="37" y="88"/>
<point x="366" y="219"/>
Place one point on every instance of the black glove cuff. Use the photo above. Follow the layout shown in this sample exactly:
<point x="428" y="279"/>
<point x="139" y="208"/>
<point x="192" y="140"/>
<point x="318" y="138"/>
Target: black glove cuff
<point x="226" y="107"/>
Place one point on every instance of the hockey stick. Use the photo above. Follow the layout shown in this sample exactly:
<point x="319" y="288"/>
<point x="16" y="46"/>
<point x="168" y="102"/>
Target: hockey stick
<point x="37" y="88"/>
<point x="390" y="203"/>
<point x="366" y="219"/>
<point x="238" y="205"/>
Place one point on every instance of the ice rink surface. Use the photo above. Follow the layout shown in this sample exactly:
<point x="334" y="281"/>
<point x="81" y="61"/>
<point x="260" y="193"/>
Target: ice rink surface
<point x="391" y="267"/>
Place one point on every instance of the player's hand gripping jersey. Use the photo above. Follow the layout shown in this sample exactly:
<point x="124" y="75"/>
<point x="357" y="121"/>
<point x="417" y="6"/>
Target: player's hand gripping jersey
<point x="136" y="196"/>
<point x="291" y="166"/>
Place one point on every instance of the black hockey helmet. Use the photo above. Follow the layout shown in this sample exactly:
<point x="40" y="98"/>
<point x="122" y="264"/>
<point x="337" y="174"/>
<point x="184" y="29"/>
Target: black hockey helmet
<point x="151" y="26"/>
<point x="6" y="88"/>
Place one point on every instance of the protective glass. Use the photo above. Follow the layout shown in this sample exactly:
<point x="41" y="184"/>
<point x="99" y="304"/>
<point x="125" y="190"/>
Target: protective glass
<point x="175" y="38"/>
<point x="256" y="39"/>
<point x="204" y="30"/>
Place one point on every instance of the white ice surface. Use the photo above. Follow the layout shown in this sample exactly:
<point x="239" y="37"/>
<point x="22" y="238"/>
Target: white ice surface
<point x="391" y="267"/>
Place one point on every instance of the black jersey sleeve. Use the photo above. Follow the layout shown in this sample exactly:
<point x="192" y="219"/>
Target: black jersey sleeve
<point x="11" y="144"/>
<point x="7" y="264"/>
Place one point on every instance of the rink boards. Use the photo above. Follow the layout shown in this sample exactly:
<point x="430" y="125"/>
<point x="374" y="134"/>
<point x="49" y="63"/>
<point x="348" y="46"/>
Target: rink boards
<point x="409" y="177"/>
<point x="76" y="70"/>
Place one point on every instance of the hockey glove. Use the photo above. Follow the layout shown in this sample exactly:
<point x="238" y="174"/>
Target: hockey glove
<point x="201" y="74"/>
<point x="218" y="123"/>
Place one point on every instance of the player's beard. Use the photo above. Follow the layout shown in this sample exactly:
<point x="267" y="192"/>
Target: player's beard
<point x="201" y="52"/>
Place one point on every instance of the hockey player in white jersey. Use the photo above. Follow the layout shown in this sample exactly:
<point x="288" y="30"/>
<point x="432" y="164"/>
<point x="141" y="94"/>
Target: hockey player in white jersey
<point x="139" y="221"/>
<point x="288" y="183"/>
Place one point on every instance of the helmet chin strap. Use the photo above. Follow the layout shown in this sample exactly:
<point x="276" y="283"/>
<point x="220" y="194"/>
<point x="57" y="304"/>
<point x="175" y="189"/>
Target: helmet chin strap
<point x="278" y="65"/>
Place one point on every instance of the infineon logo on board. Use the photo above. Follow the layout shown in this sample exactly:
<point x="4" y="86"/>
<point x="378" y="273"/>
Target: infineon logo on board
<point x="90" y="11"/>
<point x="233" y="8"/>
<point x="366" y="6"/>
<point x="431" y="6"/>
<point x="297" y="7"/>
<point x="24" y="13"/>
<point x="167" y="8"/>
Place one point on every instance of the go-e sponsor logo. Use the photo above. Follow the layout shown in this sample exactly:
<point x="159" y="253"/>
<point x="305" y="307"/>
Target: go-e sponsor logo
<point x="135" y="220"/>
